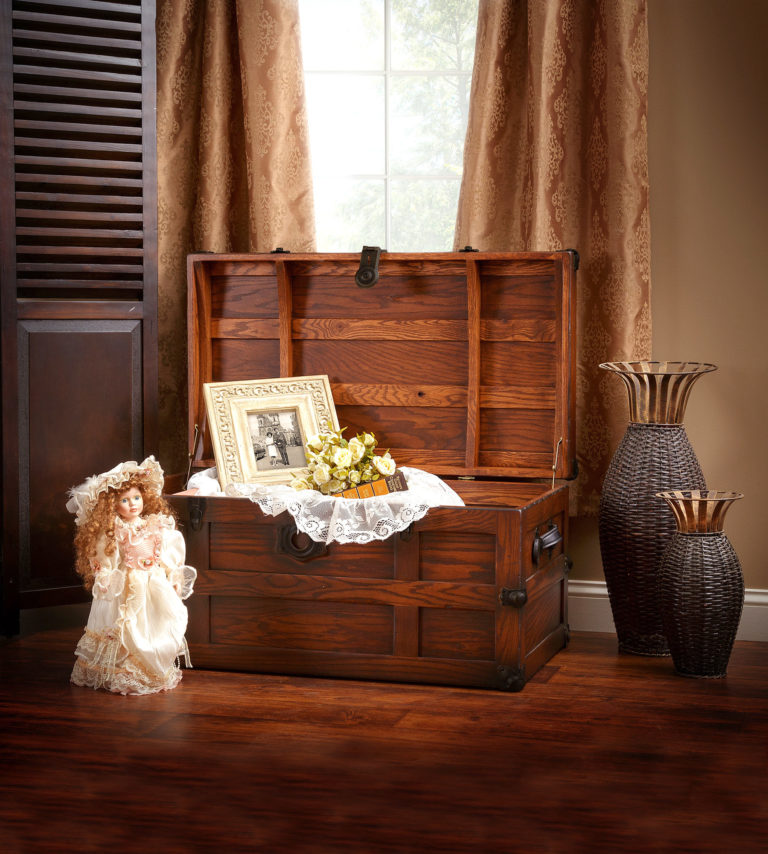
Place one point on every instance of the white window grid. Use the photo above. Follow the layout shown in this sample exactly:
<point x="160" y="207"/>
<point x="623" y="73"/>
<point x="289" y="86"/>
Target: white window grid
<point x="388" y="73"/>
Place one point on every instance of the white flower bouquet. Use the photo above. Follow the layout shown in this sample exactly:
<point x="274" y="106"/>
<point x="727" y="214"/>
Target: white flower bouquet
<point x="335" y="463"/>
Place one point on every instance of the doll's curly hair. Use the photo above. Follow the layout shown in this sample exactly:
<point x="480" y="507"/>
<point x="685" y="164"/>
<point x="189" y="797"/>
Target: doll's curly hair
<point x="101" y="522"/>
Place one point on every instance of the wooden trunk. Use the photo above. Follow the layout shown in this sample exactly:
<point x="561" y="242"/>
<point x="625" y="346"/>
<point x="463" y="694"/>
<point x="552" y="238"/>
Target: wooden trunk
<point x="462" y="365"/>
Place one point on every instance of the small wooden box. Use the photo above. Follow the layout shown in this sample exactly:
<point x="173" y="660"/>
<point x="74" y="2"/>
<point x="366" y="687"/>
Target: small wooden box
<point x="462" y="365"/>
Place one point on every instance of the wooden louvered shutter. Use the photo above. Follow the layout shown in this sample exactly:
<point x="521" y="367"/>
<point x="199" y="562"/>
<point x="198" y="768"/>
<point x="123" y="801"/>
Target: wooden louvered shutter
<point x="78" y="271"/>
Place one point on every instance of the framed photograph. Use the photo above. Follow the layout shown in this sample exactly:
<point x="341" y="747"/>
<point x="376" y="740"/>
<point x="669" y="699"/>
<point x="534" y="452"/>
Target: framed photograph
<point x="259" y="428"/>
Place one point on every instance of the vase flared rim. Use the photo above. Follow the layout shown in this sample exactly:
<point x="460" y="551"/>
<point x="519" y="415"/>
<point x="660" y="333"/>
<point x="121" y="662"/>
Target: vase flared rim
<point x="708" y="495"/>
<point x="658" y="368"/>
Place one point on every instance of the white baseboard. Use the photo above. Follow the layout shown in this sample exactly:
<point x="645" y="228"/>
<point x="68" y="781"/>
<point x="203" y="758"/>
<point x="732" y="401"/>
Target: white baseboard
<point x="590" y="611"/>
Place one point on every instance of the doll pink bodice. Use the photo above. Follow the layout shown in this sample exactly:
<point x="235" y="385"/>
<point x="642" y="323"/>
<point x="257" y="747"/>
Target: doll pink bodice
<point x="139" y="544"/>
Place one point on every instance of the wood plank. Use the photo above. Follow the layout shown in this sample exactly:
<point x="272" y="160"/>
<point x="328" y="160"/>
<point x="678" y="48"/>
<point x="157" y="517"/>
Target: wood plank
<point x="72" y="111"/>
<point x="89" y="76"/>
<point x="285" y="315"/>
<point x="401" y="591"/>
<point x="88" y="19"/>
<point x="31" y="309"/>
<point x="518" y="329"/>
<point x="524" y="363"/>
<point x="199" y="355"/>
<point x="88" y="147"/>
<point x="88" y="284"/>
<point x="404" y="427"/>
<point x="298" y="625"/>
<point x="491" y="397"/>
<point x="93" y="41"/>
<point x="233" y="360"/>
<point x="379" y="329"/>
<point x="62" y="127"/>
<point x="340" y="328"/>
<point x="65" y="57"/>
<point x="75" y="199"/>
<point x="386" y="362"/>
<point x="74" y="163"/>
<point x="132" y="186"/>
<point x="457" y="634"/>
<point x="474" y="307"/>
<point x="524" y="430"/>
<point x="35" y="91"/>
<point x="250" y="547"/>
<point x="36" y="250"/>
<point x="367" y="394"/>
<point x="516" y="397"/>
<point x="31" y="214"/>
<point x="114" y="233"/>
<point x="33" y="267"/>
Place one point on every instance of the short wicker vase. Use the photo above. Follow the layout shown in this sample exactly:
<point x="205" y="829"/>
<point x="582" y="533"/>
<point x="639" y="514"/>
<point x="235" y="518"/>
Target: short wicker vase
<point x="635" y="527"/>
<point x="701" y="584"/>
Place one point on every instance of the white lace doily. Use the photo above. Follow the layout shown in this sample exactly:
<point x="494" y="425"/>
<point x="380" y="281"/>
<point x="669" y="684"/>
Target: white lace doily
<point x="342" y="520"/>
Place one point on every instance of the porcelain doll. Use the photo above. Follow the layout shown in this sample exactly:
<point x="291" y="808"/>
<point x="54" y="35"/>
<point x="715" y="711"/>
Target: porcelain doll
<point x="131" y="557"/>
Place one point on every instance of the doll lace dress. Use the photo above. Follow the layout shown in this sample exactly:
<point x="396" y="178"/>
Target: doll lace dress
<point x="136" y="626"/>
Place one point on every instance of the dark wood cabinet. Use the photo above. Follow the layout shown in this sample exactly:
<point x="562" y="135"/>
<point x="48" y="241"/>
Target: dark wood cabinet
<point x="78" y="272"/>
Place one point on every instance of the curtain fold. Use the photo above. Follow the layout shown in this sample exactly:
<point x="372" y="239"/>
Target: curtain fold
<point x="556" y="158"/>
<point x="233" y="158"/>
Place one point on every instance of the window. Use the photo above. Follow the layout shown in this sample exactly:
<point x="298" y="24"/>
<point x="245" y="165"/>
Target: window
<point x="387" y="85"/>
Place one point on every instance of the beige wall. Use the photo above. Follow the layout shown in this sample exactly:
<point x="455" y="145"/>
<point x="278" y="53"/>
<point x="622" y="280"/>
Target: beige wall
<point x="708" y="165"/>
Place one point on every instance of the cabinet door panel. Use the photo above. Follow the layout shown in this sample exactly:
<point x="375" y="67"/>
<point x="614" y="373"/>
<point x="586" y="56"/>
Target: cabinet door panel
<point x="80" y="405"/>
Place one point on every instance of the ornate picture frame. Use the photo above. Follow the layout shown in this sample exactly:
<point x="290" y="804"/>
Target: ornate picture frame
<point x="259" y="428"/>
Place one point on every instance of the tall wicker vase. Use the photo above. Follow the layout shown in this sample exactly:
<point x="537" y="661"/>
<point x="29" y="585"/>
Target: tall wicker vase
<point x="701" y="585"/>
<point x="635" y="527"/>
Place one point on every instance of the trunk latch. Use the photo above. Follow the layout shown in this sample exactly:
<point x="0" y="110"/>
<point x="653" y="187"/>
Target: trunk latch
<point x="368" y="272"/>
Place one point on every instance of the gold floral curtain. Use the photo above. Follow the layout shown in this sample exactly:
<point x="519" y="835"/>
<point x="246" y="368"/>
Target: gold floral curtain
<point x="233" y="158"/>
<point x="556" y="158"/>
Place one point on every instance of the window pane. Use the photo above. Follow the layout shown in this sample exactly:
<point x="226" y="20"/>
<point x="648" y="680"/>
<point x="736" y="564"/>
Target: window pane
<point x="341" y="35"/>
<point x="346" y="123"/>
<point x="349" y="213"/>
<point x="423" y="214"/>
<point x="428" y="120"/>
<point x="433" y="34"/>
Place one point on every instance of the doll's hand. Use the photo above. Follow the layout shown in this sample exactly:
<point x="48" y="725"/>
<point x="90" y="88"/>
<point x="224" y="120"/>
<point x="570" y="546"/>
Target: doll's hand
<point x="175" y="577"/>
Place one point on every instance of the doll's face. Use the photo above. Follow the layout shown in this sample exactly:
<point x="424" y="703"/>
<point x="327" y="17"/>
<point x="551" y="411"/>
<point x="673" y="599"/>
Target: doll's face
<point x="130" y="504"/>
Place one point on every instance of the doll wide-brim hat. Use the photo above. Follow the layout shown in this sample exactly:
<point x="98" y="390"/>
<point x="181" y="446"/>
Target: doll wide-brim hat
<point x="83" y="498"/>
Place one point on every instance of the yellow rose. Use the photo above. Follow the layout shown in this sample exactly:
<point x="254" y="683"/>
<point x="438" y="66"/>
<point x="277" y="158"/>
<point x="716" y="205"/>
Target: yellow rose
<point x="322" y="474"/>
<point x="369" y="440"/>
<point x="336" y="485"/>
<point x="300" y="483"/>
<point x="315" y="443"/>
<point x="384" y="465"/>
<point x="342" y="457"/>
<point x="354" y="476"/>
<point x="357" y="449"/>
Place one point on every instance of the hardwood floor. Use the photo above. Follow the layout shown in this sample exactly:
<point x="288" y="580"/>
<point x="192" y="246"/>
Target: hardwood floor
<point x="599" y="753"/>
